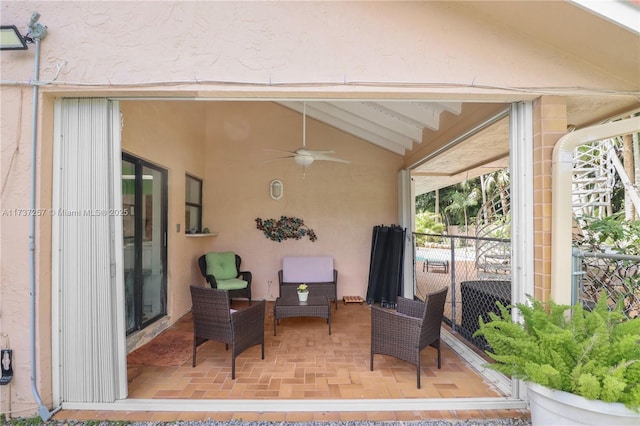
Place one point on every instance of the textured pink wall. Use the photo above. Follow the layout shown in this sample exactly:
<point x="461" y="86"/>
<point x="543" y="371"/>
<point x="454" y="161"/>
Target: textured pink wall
<point x="170" y="135"/>
<point x="340" y="202"/>
<point x="224" y="144"/>
<point x="110" y="43"/>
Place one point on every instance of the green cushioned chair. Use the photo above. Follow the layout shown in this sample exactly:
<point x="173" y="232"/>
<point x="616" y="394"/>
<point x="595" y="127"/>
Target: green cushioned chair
<point x="222" y="271"/>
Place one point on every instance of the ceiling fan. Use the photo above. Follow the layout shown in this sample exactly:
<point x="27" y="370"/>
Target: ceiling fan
<point x="305" y="157"/>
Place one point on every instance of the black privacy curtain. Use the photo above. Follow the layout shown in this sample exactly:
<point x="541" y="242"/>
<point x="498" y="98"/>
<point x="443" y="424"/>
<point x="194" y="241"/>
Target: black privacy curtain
<point x="385" y="270"/>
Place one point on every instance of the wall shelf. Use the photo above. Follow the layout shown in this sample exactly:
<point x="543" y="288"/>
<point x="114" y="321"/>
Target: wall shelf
<point x="210" y="234"/>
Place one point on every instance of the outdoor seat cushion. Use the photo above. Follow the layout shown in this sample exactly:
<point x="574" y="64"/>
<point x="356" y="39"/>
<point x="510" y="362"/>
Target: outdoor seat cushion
<point x="232" y="284"/>
<point x="222" y="265"/>
<point x="307" y="269"/>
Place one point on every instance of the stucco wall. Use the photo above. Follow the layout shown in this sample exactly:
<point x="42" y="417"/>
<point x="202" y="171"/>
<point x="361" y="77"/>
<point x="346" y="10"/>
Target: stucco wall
<point x="290" y="42"/>
<point x="224" y="143"/>
<point x="170" y="135"/>
<point x="16" y="246"/>
<point x="340" y="202"/>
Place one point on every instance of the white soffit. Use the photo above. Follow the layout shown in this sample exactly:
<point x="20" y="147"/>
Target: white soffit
<point x="484" y="152"/>
<point x="622" y="12"/>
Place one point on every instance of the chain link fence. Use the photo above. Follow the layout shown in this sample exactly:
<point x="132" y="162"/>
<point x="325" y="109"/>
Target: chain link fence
<point x="618" y="275"/>
<point x="477" y="271"/>
<point x="477" y="278"/>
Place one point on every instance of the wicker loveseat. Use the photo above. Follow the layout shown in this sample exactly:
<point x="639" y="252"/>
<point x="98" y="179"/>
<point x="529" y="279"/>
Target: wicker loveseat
<point x="316" y="271"/>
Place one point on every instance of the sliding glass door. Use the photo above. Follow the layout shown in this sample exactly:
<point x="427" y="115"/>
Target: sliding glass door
<point x="144" y="199"/>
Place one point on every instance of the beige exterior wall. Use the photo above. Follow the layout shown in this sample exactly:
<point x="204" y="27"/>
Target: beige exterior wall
<point x="15" y="247"/>
<point x="338" y="44"/>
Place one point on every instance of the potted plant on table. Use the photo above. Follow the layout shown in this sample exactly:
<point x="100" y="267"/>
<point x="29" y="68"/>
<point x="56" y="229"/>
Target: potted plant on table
<point x="581" y="366"/>
<point x="303" y="292"/>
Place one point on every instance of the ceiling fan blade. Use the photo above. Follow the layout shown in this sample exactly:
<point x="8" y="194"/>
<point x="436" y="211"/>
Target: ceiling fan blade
<point x="293" y="153"/>
<point x="324" y="157"/>
<point x="290" y="155"/>
<point x="318" y="152"/>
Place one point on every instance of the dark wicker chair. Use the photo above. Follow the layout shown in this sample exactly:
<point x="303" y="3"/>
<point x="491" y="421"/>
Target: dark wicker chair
<point x="214" y="320"/>
<point x="403" y="333"/>
<point x="244" y="275"/>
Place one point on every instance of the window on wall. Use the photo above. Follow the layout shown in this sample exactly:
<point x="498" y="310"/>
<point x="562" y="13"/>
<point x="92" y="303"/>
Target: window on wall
<point x="193" y="212"/>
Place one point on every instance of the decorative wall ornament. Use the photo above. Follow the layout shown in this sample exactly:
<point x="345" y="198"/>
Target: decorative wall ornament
<point x="285" y="228"/>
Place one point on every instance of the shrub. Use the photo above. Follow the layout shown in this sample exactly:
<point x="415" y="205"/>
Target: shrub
<point x="427" y="223"/>
<point x="595" y="354"/>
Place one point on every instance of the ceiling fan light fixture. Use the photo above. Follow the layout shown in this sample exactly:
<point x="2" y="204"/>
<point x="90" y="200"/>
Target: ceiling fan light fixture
<point x="305" y="157"/>
<point x="303" y="160"/>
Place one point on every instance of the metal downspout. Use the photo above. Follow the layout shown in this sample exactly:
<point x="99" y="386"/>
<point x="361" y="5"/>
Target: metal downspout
<point x="561" y="198"/>
<point x="37" y="32"/>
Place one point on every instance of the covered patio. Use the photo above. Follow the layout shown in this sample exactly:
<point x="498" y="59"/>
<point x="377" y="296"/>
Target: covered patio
<point x="304" y="362"/>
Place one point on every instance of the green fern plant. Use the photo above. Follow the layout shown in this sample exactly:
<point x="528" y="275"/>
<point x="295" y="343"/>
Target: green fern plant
<point x="594" y="354"/>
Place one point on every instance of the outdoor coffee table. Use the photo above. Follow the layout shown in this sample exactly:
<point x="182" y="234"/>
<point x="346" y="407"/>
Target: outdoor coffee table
<point x="290" y="306"/>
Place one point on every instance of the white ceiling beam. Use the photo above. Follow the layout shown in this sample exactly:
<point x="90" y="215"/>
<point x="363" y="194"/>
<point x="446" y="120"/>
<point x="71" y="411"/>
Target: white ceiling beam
<point x="362" y="134"/>
<point x="392" y="125"/>
<point x="367" y="125"/>
<point x="347" y="128"/>
<point x="422" y="114"/>
<point x="452" y="107"/>
<point x="383" y="119"/>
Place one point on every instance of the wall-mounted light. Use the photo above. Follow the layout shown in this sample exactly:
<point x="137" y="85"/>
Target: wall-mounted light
<point x="276" y="189"/>
<point x="11" y="39"/>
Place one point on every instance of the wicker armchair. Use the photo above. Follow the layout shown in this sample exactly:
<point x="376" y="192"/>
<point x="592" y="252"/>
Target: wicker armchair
<point x="233" y="276"/>
<point x="412" y="327"/>
<point x="214" y="320"/>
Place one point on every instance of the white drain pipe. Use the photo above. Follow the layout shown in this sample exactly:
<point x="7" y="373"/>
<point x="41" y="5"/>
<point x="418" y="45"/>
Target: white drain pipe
<point x="37" y="32"/>
<point x="561" y="197"/>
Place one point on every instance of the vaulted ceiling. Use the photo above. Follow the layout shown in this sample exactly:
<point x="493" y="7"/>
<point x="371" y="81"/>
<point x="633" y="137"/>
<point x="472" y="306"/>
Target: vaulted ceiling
<point x="403" y="126"/>
<point x="392" y="125"/>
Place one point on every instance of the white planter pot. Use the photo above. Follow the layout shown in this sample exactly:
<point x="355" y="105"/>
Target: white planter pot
<point x="553" y="407"/>
<point x="303" y="296"/>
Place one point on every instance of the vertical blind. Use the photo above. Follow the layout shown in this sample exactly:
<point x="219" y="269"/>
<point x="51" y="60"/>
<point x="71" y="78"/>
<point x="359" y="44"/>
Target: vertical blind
<point x="87" y="241"/>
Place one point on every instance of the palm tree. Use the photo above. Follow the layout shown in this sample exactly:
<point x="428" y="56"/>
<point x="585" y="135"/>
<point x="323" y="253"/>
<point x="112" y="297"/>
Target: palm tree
<point x="461" y="201"/>
<point x="630" y="168"/>
<point x="498" y="181"/>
